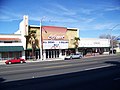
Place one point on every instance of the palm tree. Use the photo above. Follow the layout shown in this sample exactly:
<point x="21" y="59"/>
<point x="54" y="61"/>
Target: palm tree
<point x="76" y="43"/>
<point x="33" y="41"/>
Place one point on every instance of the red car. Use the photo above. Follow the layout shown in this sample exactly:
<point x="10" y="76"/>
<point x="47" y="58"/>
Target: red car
<point x="15" y="61"/>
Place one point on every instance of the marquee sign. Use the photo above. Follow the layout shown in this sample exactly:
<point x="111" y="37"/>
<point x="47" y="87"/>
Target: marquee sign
<point x="54" y="33"/>
<point x="52" y="44"/>
<point x="56" y="37"/>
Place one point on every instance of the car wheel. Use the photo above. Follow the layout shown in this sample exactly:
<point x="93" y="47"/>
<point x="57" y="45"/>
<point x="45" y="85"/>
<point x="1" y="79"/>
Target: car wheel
<point x="70" y="58"/>
<point x="21" y="61"/>
<point x="9" y="62"/>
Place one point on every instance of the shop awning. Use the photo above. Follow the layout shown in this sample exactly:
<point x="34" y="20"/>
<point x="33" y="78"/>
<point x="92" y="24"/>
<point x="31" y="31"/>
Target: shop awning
<point x="11" y="48"/>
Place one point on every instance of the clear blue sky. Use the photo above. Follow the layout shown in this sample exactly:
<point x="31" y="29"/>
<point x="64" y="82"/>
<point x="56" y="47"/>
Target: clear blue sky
<point x="92" y="17"/>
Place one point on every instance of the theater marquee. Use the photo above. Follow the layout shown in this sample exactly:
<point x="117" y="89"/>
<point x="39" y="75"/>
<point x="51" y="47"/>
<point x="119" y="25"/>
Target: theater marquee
<point x="48" y="44"/>
<point x="54" y="37"/>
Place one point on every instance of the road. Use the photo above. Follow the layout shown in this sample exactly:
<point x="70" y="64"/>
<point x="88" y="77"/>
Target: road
<point x="97" y="73"/>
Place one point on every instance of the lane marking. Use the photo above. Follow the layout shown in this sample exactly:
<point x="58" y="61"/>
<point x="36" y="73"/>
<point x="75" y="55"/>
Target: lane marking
<point x="116" y="79"/>
<point x="97" y="67"/>
<point x="58" y="66"/>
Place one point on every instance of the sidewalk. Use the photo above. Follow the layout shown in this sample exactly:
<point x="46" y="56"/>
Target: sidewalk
<point x="2" y="62"/>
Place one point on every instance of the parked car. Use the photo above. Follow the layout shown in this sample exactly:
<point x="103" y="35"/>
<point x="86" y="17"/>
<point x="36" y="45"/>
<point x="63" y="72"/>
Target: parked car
<point x="114" y="51"/>
<point x="74" y="56"/>
<point x="15" y="60"/>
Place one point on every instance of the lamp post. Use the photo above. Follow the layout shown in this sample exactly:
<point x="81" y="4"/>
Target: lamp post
<point x="111" y="36"/>
<point x="41" y="39"/>
<point x="41" y="48"/>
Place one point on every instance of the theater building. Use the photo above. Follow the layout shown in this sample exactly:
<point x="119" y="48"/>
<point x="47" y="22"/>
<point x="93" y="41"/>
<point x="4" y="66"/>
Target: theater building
<point x="56" y="41"/>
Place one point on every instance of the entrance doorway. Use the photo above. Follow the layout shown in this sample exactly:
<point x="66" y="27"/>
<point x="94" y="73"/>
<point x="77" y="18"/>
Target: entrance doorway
<point x="37" y="55"/>
<point x="52" y="53"/>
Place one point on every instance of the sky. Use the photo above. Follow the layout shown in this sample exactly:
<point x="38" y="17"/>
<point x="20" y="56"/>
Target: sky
<point x="92" y="17"/>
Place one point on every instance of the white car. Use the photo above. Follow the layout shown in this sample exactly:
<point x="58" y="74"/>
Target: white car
<point x="74" y="56"/>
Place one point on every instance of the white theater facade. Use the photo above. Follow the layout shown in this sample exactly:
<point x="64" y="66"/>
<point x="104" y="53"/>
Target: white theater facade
<point x="56" y="41"/>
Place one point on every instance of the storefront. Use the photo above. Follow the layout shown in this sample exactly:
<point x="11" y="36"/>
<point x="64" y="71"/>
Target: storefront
<point x="11" y="46"/>
<point x="54" y="40"/>
<point x="93" y="46"/>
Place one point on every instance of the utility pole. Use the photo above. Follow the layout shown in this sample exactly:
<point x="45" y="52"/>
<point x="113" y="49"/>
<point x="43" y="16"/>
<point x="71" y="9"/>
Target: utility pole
<point x="41" y="39"/>
<point x="112" y="37"/>
<point x="41" y="48"/>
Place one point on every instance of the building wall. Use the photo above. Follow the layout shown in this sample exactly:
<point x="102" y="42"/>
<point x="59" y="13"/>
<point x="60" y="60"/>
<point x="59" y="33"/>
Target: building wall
<point x="11" y="40"/>
<point x="37" y="29"/>
<point x="118" y="48"/>
<point x="11" y="36"/>
<point x="23" y="30"/>
<point x="93" y="46"/>
<point x="71" y="34"/>
<point x="94" y="42"/>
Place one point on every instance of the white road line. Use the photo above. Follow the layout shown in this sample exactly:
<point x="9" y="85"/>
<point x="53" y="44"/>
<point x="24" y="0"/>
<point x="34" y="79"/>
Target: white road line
<point x="116" y="79"/>
<point x="58" y="66"/>
<point x="97" y="67"/>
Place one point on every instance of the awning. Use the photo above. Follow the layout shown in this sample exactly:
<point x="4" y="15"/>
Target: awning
<point x="11" y="48"/>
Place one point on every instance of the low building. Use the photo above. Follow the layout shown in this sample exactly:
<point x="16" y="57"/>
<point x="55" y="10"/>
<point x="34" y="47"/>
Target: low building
<point x="117" y="48"/>
<point x="14" y="45"/>
<point x="92" y="46"/>
<point x="11" y="46"/>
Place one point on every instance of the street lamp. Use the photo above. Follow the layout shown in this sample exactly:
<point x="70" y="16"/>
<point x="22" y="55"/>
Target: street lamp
<point x="41" y="48"/>
<point x="111" y="36"/>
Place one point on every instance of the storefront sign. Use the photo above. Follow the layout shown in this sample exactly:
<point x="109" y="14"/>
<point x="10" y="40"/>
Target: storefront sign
<point x="94" y="43"/>
<point x="54" y="33"/>
<point x="56" y="37"/>
<point x="51" y="44"/>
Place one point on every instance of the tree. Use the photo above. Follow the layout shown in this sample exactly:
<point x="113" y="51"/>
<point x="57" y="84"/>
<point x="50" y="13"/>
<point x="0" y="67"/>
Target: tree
<point x="76" y="43"/>
<point x="112" y="38"/>
<point x="33" y="41"/>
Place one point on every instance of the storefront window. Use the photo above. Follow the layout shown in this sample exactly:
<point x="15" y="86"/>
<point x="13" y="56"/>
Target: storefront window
<point x="4" y="55"/>
<point x="63" y="52"/>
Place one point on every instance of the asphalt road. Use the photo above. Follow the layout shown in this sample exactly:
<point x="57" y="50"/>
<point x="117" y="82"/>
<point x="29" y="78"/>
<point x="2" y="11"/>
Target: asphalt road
<point x="98" y="73"/>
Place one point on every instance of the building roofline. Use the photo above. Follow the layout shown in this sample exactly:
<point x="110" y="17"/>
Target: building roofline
<point x="34" y="25"/>
<point x="10" y="39"/>
<point x="73" y="28"/>
<point x="9" y="34"/>
<point x="95" y="38"/>
<point x="46" y="26"/>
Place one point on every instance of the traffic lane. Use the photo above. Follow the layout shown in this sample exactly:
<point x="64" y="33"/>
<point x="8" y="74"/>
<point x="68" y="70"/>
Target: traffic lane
<point x="98" y="79"/>
<point x="47" y="71"/>
<point x="56" y="66"/>
<point x="52" y="63"/>
<point x="51" y="70"/>
<point x="40" y="67"/>
<point x="24" y="73"/>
